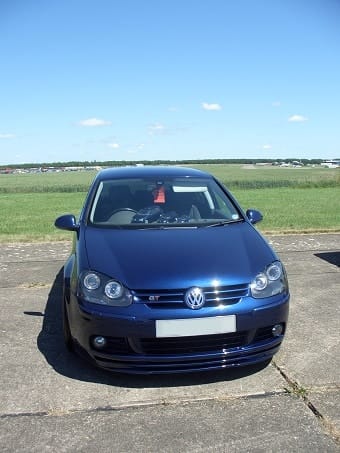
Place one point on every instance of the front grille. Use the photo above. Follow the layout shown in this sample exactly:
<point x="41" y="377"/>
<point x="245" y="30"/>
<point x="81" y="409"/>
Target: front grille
<point x="187" y="345"/>
<point x="226" y="295"/>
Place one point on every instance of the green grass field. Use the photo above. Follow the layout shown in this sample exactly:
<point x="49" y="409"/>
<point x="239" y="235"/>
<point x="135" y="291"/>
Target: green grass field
<point x="291" y="199"/>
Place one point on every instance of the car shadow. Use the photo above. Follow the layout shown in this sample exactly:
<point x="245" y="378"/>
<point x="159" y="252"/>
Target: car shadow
<point x="51" y="345"/>
<point x="330" y="257"/>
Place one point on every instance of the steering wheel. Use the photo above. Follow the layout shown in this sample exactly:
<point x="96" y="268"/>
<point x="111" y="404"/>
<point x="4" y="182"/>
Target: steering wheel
<point x="124" y="210"/>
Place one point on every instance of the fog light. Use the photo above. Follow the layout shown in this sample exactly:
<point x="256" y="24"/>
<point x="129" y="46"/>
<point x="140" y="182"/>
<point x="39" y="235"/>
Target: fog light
<point x="99" y="342"/>
<point x="277" y="330"/>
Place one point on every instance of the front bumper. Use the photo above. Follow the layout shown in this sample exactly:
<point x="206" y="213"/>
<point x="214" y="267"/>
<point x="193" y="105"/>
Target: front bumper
<point x="132" y="346"/>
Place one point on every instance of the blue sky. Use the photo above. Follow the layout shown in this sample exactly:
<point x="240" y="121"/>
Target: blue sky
<point x="169" y="79"/>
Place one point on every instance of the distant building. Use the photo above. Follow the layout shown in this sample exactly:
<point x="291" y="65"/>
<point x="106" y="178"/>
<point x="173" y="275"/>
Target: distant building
<point x="331" y="163"/>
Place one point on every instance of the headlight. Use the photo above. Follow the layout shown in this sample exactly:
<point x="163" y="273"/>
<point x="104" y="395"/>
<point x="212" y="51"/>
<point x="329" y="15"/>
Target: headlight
<point x="91" y="281"/>
<point x="113" y="290"/>
<point x="100" y="289"/>
<point x="270" y="282"/>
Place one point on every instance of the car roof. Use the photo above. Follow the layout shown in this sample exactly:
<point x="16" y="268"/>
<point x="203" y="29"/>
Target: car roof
<point x="150" y="171"/>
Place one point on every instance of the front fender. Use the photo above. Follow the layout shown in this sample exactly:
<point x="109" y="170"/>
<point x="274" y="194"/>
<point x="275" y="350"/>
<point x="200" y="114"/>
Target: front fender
<point x="68" y="269"/>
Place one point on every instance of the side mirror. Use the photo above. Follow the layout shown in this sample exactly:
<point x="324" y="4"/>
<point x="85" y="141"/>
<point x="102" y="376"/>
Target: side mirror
<point x="67" y="222"/>
<point x="254" y="216"/>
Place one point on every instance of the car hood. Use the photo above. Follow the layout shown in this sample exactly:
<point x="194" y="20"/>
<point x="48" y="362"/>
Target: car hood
<point x="178" y="257"/>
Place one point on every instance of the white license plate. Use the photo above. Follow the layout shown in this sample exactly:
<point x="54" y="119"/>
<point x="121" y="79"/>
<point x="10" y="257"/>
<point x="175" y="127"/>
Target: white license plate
<point x="197" y="326"/>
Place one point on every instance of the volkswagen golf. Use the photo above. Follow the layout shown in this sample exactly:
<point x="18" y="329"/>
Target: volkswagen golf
<point x="168" y="274"/>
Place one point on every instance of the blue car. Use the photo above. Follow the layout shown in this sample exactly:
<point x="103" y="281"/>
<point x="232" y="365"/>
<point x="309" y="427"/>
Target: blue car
<point x="167" y="274"/>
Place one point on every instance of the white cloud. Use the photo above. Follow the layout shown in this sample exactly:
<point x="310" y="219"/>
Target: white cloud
<point x="297" y="119"/>
<point x="94" y="122"/>
<point x="211" y="107"/>
<point x="276" y="104"/>
<point x="7" y="136"/>
<point x="113" y="145"/>
<point x="156" y="129"/>
<point x="135" y="148"/>
<point x="267" y="147"/>
<point x="161" y="129"/>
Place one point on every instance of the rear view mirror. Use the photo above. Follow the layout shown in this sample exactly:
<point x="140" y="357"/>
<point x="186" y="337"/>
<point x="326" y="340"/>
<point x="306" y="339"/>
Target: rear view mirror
<point x="254" y="216"/>
<point x="67" y="222"/>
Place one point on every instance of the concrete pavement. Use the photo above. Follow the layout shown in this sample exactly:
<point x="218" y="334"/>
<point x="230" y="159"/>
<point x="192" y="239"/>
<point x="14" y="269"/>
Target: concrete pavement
<point x="52" y="400"/>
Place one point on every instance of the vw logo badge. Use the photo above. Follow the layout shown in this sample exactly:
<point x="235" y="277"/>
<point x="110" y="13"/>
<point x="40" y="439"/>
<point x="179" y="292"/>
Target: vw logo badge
<point x="194" y="298"/>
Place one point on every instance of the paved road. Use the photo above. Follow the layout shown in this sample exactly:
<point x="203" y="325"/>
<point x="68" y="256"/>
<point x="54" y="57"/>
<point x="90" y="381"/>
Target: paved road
<point x="53" y="401"/>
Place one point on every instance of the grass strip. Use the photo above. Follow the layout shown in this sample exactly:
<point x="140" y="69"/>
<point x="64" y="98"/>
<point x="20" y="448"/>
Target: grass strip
<point x="30" y="217"/>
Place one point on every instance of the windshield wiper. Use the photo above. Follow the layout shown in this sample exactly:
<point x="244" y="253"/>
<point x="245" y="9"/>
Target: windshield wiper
<point x="224" y="222"/>
<point x="160" y="226"/>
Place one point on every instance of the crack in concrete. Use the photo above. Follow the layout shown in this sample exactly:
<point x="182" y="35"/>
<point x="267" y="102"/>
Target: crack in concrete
<point x="296" y="389"/>
<point x="143" y="404"/>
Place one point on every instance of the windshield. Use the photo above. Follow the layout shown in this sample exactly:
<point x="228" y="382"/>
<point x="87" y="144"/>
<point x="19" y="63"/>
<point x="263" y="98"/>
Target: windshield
<point x="169" y="202"/>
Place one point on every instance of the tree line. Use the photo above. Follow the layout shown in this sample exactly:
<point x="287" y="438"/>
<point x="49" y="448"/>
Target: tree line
<point x="120" y="163"/>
